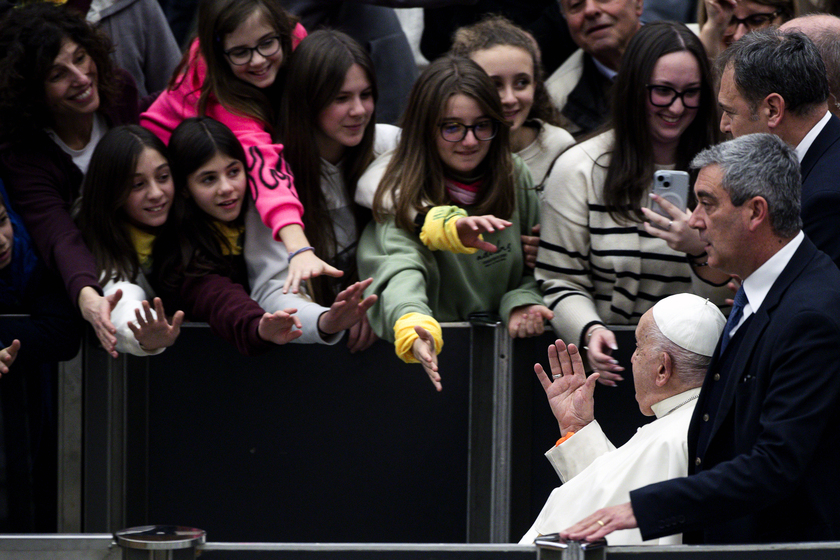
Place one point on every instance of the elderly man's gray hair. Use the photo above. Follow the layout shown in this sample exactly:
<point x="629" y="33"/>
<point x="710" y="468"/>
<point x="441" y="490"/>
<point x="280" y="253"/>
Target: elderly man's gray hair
<point x="689" y="366"/>
<point x="760" y="165"/>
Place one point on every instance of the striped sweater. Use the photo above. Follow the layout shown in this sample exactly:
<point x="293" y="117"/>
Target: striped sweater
<point x="593" y="269"/>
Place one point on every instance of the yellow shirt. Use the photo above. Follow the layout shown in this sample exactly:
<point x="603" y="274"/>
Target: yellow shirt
<point x="234" y="236"/>
<point x="143" y="242"/>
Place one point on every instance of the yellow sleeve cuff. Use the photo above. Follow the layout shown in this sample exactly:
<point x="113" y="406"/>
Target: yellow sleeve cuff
<point x="439" y="232"/>
<point x="404" y="335"/>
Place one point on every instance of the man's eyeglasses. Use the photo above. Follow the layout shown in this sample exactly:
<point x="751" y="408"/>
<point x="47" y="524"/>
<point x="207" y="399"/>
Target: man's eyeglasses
<point x="482" y="130"/>
<point x="664" y="96"/>
<point x="241" y="56"/>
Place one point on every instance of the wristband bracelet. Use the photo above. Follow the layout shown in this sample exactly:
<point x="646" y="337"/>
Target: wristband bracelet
<point x="592" y="331"/>
<point x="299" y="251"/>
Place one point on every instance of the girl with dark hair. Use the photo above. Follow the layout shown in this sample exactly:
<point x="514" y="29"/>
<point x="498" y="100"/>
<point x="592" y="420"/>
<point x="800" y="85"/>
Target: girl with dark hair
<point x="453" y="155"/>
<point x="233" y="72"/>
<point x="328" y="126"/>
<point x="198" y="258"/>
<point x="128" y="193"/>
<point x="59" y="94"/>
<point x="600" y="262"/>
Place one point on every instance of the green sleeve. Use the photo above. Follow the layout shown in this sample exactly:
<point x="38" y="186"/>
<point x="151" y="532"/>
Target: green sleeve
<point x="404" y="272"/>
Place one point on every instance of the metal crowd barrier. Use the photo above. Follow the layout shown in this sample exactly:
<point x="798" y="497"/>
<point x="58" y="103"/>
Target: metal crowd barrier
<point x="141" y="437"/>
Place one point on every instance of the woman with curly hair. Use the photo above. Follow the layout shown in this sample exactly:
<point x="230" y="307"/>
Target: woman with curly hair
<point x="59" y="94"/>
<point x="512" y="60"/>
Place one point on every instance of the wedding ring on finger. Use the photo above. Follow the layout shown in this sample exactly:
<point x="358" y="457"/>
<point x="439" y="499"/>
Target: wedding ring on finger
<point x="557" y="375"/>
<point x="601" y="523"/>
<point x="670" y="223"/>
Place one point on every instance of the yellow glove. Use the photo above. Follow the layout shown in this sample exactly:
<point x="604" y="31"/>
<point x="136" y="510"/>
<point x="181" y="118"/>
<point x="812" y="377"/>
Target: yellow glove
<point x="404" y="335"/>
<point x="439" y="232"/>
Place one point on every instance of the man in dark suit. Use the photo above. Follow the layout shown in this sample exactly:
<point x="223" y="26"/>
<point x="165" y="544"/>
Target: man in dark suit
<point x="763" y="441"/>
<point x="774" y="81"/>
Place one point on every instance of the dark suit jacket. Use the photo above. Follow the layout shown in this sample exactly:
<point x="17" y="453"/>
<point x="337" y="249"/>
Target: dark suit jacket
<point x="769" y="471"/>
<point x="821" y="191"/>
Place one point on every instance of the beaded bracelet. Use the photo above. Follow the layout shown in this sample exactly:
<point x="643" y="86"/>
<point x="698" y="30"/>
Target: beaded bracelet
<point x="299" y="251"/>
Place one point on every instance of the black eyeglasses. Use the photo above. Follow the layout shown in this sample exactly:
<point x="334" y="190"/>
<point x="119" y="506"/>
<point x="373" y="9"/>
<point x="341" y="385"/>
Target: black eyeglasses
<point x="241" y="56"/>
<point x="753" y="22"/>
<point x="664" y="96"/>
<point x="482" y="130"/>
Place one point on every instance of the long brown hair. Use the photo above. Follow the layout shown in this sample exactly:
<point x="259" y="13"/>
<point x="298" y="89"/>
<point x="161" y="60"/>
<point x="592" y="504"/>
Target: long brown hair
<point x="189" y="243"/>
<point x="315" y="77"/>
<point x="631" y="164"/>
<point x="415" y="174"/>
<point x="107" y="185"/>
<point x="216" y="19"/>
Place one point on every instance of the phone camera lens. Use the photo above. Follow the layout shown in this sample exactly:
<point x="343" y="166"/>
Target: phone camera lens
<point x="666" y="184"/>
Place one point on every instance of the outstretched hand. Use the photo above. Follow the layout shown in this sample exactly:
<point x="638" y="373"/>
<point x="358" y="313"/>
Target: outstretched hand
<point x="8" y="355"/>
<point x="569" y="391"/>
<point x="152" y="330"/>
<point x="304" y="266"/>
<point x="599" y="351"/>
<point x="528" y="320"/>
<point x="470" y="229"/>
<point x="349" y="308"/>
<point x="96" y="310"/>
<point x="424" y="351"/>
<point x="361" y="336"/>
<point x="278" y="327"/>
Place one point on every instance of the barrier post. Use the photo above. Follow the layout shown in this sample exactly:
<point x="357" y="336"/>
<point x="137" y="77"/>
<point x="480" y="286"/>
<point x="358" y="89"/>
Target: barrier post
<point x="160" y="542"/>
<point x="489" y="463"/>
<point x="552" y="547"/>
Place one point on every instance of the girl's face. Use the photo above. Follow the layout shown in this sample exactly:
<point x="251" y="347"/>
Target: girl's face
<point x="218" y="187"/>
<point x="343" y="122"/>
<point x="7" y="238"/>
<point x="152" y="190"/>
<point x="71" y="83"/>
<point x="675" y="73"/>
<point x="467" y="154"/>
<point x="253" y="51"/>
<point x="512" y="70"/>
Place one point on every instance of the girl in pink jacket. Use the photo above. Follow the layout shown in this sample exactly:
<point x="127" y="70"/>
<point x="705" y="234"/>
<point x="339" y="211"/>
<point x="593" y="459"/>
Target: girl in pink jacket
<point x="233" y="73"/>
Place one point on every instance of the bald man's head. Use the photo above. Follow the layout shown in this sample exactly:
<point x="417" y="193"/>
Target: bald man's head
<point x="824" y="31"/>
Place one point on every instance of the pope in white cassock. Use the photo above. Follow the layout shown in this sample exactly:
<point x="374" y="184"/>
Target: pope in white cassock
<point x="675" y="341"/>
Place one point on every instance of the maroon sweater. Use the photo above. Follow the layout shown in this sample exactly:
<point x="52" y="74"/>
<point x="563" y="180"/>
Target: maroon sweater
<point x="43" y="182"/>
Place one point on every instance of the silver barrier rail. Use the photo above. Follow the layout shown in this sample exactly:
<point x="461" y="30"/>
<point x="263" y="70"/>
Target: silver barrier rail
<point x="106" y="547"/>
